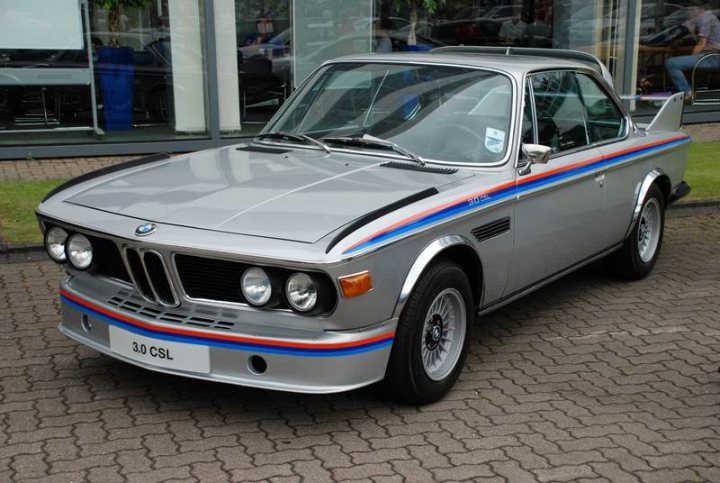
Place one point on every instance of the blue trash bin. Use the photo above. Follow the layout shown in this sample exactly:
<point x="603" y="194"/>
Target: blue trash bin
<point x="417" y="48"/>
<point x="116" y="67"/>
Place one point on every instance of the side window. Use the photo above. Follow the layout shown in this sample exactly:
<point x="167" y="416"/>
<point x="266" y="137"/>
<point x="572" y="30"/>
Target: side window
<point x="561" y="123"/>
<point x="605" y="121"/>
<point x="528" y="128"/>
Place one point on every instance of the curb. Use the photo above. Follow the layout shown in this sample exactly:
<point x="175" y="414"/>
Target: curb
<point x="704" y="203"/>
<point x="22" y="253"/>
<point x="36" y="251"/>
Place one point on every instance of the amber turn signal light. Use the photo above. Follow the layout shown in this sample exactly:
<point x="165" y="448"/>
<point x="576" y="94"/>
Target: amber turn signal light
<point x="356" y="284"/>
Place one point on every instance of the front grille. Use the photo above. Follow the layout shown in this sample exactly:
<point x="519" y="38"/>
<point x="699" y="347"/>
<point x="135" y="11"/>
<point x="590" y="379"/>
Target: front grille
<point x="107" y="260"/>
<point x="207" y="278"/>
<point x="158" y="277"/>
<point x="212" y="279"/>
<point x="138" y="274"/>
<point x="150" y="277"/>
<point x="207" y="317"/>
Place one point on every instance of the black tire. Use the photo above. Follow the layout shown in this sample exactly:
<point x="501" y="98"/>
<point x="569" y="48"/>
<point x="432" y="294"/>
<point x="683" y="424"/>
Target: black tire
<point x="406" y="379"/>
<point x="627" y="262"/>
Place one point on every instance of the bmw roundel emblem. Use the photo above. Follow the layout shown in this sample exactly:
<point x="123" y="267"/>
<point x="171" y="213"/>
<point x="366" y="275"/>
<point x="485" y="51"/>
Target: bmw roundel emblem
<point x="145" y="229"/>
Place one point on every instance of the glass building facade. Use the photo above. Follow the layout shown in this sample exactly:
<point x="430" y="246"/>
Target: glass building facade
<point x="178" y="75"/>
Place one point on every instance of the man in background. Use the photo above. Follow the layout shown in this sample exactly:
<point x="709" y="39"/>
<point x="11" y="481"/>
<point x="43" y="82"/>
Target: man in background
<point x="512" y="30"/>
<point x="706" y="28"/>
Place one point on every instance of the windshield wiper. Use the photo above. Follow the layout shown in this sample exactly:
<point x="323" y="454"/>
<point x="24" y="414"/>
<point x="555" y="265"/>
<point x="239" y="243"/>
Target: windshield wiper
<point x="371" y="141"/>
<point x="303" y="138"/>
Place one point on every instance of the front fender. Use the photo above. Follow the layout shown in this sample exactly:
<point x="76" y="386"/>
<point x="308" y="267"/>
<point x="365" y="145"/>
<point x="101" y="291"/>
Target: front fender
<point x="424" y="258"/>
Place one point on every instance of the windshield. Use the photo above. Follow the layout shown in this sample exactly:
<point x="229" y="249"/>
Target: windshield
<point x="438" y="112"/>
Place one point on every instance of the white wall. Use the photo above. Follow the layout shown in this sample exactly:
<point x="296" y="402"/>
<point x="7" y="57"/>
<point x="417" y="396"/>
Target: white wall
<point x="226" y="54"/>
<point x="187" y="66"/>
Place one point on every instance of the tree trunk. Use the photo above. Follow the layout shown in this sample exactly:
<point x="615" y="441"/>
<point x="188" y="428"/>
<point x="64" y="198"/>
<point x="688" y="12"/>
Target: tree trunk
<point x="114" y="24"/>
<point x="412" y="40"/>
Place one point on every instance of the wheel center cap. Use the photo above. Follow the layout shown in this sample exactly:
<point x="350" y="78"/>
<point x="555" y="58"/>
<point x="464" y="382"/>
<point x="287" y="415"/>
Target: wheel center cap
<point x="434" y="333"/>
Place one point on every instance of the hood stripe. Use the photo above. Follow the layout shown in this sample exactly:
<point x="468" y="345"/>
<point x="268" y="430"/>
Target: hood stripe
<point x="229" y="341"/>
<point x="508" y="189"/>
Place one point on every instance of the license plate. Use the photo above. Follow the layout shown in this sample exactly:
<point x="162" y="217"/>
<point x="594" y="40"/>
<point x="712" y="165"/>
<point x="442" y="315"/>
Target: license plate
<point x="161" y="353"/>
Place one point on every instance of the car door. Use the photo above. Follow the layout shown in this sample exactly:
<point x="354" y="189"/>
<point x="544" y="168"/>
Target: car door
<point x="559" y="203"/>
<point x="608" y="128"/>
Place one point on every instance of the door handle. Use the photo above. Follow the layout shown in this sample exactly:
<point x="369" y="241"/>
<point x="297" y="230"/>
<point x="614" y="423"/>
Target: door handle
<point x="600" y="178"/>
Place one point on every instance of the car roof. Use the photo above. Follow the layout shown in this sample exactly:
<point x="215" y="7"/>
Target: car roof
<point x="516" y="65"/>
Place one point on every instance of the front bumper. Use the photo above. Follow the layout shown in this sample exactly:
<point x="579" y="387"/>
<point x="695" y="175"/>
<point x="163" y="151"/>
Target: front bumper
<point x="301" y="361"/>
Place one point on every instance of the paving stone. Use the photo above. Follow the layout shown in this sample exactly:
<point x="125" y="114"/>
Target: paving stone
<point x="588" y="379"/>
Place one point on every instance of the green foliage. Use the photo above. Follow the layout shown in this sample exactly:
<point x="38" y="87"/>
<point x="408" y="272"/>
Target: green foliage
<point x="430" y="6"/>
<point x="703" y="170"/>
<point x="18" y="201"/>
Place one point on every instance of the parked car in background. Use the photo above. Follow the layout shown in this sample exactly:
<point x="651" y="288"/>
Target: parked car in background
<point x="392" y="199"/>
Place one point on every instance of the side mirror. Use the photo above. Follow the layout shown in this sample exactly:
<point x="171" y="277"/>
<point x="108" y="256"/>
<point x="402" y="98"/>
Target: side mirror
<point x="534" y="154"/>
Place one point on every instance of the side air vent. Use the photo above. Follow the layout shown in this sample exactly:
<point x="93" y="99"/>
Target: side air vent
<point x="419" y="167"/>
<point x="494" y="228"/>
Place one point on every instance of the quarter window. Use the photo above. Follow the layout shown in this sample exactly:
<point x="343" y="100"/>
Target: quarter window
<point x="561" y="122"/>
<point x="604" y="119"/>
<point x="528" y="126"/>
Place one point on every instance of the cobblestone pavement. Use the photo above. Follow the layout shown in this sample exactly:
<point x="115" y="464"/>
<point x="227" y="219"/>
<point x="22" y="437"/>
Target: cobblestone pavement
<point x="588" y="379"/>
<point x="62" y="168"/>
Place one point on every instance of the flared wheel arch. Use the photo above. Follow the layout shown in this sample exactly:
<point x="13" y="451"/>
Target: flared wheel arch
<point x="452" y="247"/>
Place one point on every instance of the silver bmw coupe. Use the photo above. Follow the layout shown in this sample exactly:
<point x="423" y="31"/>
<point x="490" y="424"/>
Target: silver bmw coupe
<point x="392" y="200"/>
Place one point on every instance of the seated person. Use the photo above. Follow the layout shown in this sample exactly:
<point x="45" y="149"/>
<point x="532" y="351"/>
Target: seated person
<point x="707" y="31"/>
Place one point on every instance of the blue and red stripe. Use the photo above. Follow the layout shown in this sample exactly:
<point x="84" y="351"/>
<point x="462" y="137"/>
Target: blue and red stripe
<point x="227" y="341"/>
<point x="508" y="189"/>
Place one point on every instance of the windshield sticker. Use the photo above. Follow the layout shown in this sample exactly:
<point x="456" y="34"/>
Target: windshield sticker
<point x="494" y="140"/>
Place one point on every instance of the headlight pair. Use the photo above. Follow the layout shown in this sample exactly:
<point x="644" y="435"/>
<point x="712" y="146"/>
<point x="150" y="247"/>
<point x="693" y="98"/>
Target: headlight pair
<point x="75" y="248"/>
<point x="300" y="289"/>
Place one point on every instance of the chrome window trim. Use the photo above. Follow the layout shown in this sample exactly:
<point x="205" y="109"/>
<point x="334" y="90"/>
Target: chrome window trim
<point x="513" y="108"/>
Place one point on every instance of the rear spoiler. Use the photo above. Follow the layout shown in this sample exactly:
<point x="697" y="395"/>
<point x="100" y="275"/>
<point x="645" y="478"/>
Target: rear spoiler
<point x="670" y="115"/>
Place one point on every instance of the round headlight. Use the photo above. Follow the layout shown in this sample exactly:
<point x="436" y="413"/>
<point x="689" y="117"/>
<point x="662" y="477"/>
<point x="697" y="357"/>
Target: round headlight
<point x="301" y="292"/>
<point x="79" y="251"/>
<point x="55" y="239"/>
<point x="255" y="285"/>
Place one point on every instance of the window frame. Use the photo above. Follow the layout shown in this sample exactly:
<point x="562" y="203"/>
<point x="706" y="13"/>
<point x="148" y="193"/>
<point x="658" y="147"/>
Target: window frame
<point x="603" y="87"/>
<point x="514" y="104"/>
<point x="587" y="113"/>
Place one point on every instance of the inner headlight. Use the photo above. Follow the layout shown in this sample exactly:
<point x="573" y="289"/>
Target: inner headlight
<point x="55" y="239"/>
<point x="301" y="292"/>
<point x="79" y="251"/>
<point x="256" y="286"/>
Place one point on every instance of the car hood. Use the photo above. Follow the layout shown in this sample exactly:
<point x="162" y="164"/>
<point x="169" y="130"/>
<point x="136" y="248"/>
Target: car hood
<point x="299" y="195"/>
